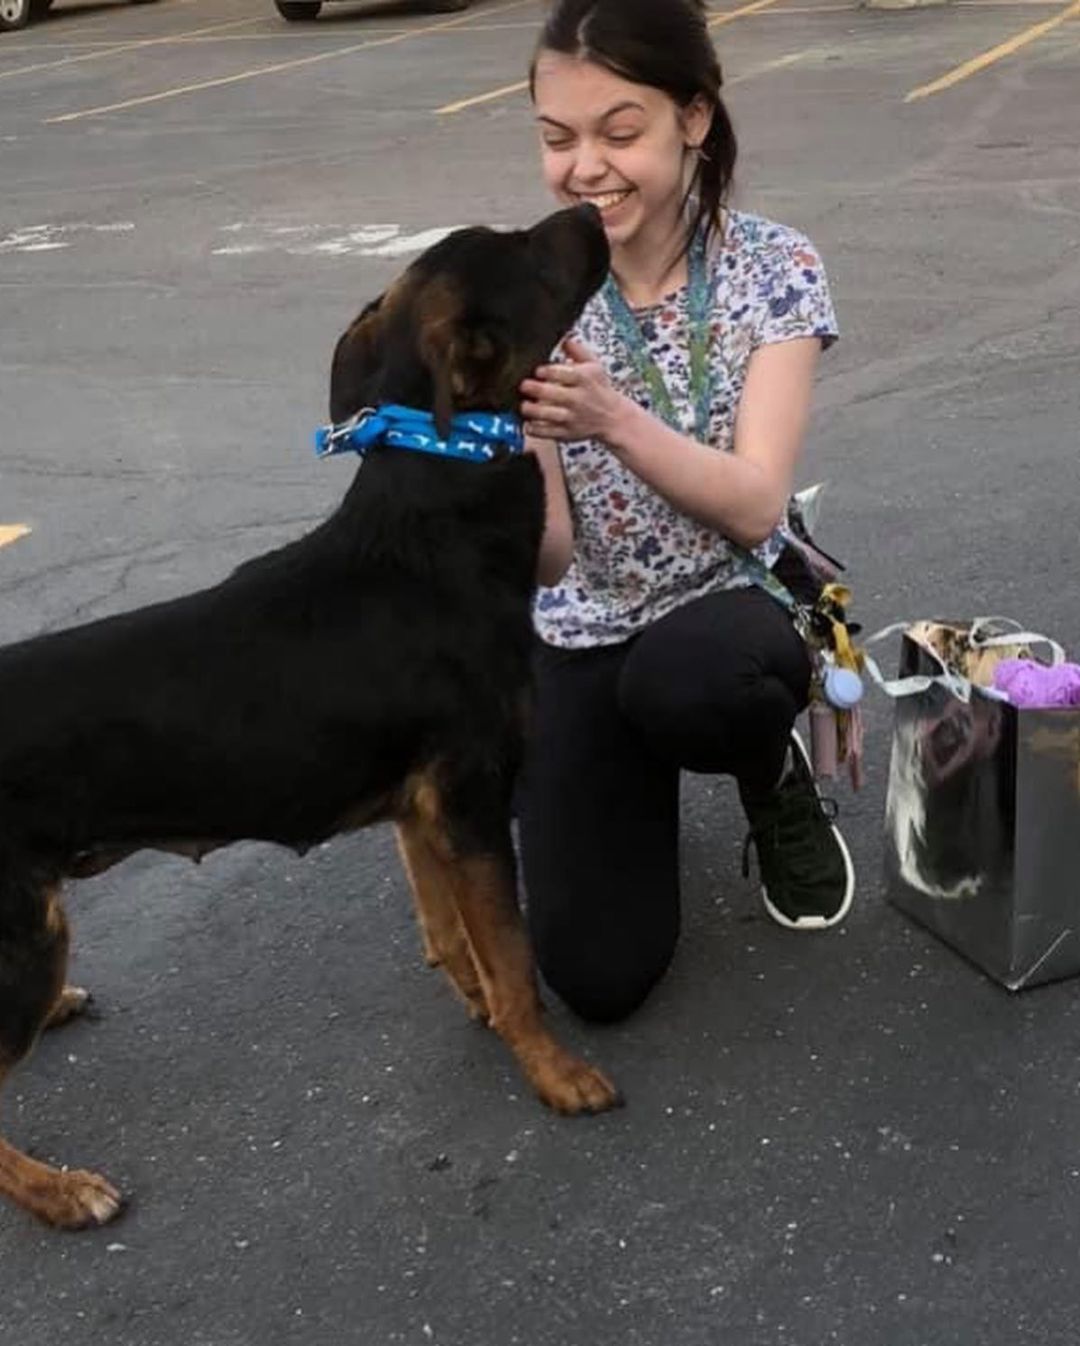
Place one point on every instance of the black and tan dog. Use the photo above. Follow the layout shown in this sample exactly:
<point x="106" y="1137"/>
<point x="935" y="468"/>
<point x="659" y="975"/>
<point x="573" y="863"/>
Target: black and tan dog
<point x="376" y="669"/>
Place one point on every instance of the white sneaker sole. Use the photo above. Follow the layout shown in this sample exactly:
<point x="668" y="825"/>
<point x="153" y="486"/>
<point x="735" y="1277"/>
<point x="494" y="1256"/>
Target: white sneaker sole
<point x="817" y="922"/>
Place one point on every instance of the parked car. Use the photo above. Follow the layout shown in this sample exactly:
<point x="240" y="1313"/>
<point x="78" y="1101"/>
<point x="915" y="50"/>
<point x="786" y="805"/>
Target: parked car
<point x="304" y="11"/>
<point x="18" y="13"/>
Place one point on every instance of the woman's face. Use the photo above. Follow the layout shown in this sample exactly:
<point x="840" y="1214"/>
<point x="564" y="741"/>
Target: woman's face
<point x="619" y="145"/>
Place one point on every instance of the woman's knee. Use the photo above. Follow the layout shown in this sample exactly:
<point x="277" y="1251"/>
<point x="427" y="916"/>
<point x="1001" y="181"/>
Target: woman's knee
<point x="605" y="1005"/>
<point x="690" y="715"/>
<point x="659" y="702"/>
<point x="600" y="976"/>
<point x="704" y="706"/>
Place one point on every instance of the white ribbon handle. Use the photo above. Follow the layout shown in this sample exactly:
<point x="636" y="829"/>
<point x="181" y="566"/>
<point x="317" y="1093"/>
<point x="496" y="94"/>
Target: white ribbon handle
<point x="954" y="683"/>
<point x="917" y="682"/>
<point x="1015" y="635"/>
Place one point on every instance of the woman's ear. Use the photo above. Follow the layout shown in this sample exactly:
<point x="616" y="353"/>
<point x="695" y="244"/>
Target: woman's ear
<point x="696" y="120"/>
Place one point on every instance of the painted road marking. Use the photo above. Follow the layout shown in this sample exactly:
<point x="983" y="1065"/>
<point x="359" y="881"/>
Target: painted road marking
<point x="331" y="33"/>
<point x="998" y="53"/>
<point x="448" y="109"/>
<point x="89" y="20"/>
<point x="99" y="53"/>
<point x="295" y="64"/>
<point x="50" y="237"/>
<point x="249" y="237"/>
<point x="781" y="63"/>
<point x="733" y="14"/>
<point x="11" y="532"/>
<point x="246" y="238"/>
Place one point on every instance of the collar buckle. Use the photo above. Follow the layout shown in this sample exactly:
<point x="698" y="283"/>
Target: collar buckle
<point x="332" y="439"/>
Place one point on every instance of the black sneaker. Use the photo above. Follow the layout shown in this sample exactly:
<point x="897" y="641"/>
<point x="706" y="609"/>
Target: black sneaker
<point x="807" y="878"/>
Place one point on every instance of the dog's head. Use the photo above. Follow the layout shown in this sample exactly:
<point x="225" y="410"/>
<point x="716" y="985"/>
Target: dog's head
<point x="471" y="318"/>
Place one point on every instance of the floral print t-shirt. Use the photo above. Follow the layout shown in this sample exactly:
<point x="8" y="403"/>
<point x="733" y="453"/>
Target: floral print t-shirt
<point x="636" y="558"/>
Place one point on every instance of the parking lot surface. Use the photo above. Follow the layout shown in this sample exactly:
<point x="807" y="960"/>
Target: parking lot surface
<point x="852" y="1138"/>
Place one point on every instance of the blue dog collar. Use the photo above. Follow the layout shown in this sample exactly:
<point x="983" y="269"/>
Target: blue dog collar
<point x="475" y="436"/>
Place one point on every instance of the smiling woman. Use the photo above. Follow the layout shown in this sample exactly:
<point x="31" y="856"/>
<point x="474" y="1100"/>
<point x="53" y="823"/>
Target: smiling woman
<point x="18" y="13"/>
<point x="669" y="428"/>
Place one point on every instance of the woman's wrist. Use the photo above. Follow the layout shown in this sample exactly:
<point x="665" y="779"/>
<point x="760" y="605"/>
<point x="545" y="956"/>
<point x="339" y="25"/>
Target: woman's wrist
<point x="623" y="428"/>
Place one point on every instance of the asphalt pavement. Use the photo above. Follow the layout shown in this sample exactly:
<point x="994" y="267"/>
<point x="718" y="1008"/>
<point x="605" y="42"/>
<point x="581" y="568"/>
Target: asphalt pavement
<point x="850" y="1138"/>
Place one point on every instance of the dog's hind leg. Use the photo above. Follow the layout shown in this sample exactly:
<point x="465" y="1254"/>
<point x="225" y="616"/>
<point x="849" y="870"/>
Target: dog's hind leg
<point x="443" y="935"/>
<point x="72" y="1002"/>
<point x="33" y="960"/>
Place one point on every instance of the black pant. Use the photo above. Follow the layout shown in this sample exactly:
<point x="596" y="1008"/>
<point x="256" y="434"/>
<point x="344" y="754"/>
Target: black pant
<point x="713" y="687"/>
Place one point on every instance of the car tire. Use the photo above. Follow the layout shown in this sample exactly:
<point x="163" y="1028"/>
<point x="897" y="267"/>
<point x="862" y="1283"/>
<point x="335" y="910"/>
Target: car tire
<point x="296" y="11"/>
<point x="14" y="14"/>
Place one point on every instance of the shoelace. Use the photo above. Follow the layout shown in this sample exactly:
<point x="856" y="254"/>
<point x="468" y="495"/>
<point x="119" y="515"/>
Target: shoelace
<point x="806" y="846"/>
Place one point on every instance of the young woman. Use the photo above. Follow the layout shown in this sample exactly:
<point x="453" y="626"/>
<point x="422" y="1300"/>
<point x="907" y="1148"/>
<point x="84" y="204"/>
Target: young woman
<point x="669" y="433"/>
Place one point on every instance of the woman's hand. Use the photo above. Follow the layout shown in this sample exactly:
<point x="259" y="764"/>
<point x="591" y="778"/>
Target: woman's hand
<point x="571" y="401"/>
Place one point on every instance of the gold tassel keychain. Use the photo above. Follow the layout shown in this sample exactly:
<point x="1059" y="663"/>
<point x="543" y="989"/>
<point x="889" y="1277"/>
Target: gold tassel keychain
<point x="836" y="732"/>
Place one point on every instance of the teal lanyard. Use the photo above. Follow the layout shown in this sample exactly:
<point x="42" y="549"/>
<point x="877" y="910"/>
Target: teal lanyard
<point x="702" y="382"/>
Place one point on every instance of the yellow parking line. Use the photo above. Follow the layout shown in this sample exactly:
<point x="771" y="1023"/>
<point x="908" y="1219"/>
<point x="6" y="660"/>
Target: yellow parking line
<point x="99" y="53"/>
<point x="330" y="33"/>
<point x="196" y="37"/>
<point x="733" y="14"/>
<point x="295" y="64"/>
<point x="11" y="532"/>
<point x="781" y="63"/>
<point x="449" y="108"/>
<point x="997" y="53"/>
<point x="488" y="97"/>
<point x="79" y="21"/>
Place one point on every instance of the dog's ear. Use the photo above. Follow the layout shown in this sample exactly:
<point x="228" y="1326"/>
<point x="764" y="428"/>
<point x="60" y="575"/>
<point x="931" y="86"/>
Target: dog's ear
<point x="358" y="358"/>
<point x="440" y="347"/>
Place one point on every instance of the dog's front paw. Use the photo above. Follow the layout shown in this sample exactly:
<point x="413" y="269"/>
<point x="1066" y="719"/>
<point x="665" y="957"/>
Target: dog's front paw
<point x="78" y="1200"/>
<point x="570" y="1085"/>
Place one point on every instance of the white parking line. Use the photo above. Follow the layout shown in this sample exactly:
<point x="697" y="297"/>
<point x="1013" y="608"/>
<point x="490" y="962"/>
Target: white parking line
<point x="50" y="237"/>
<point x="248" y="238"/>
